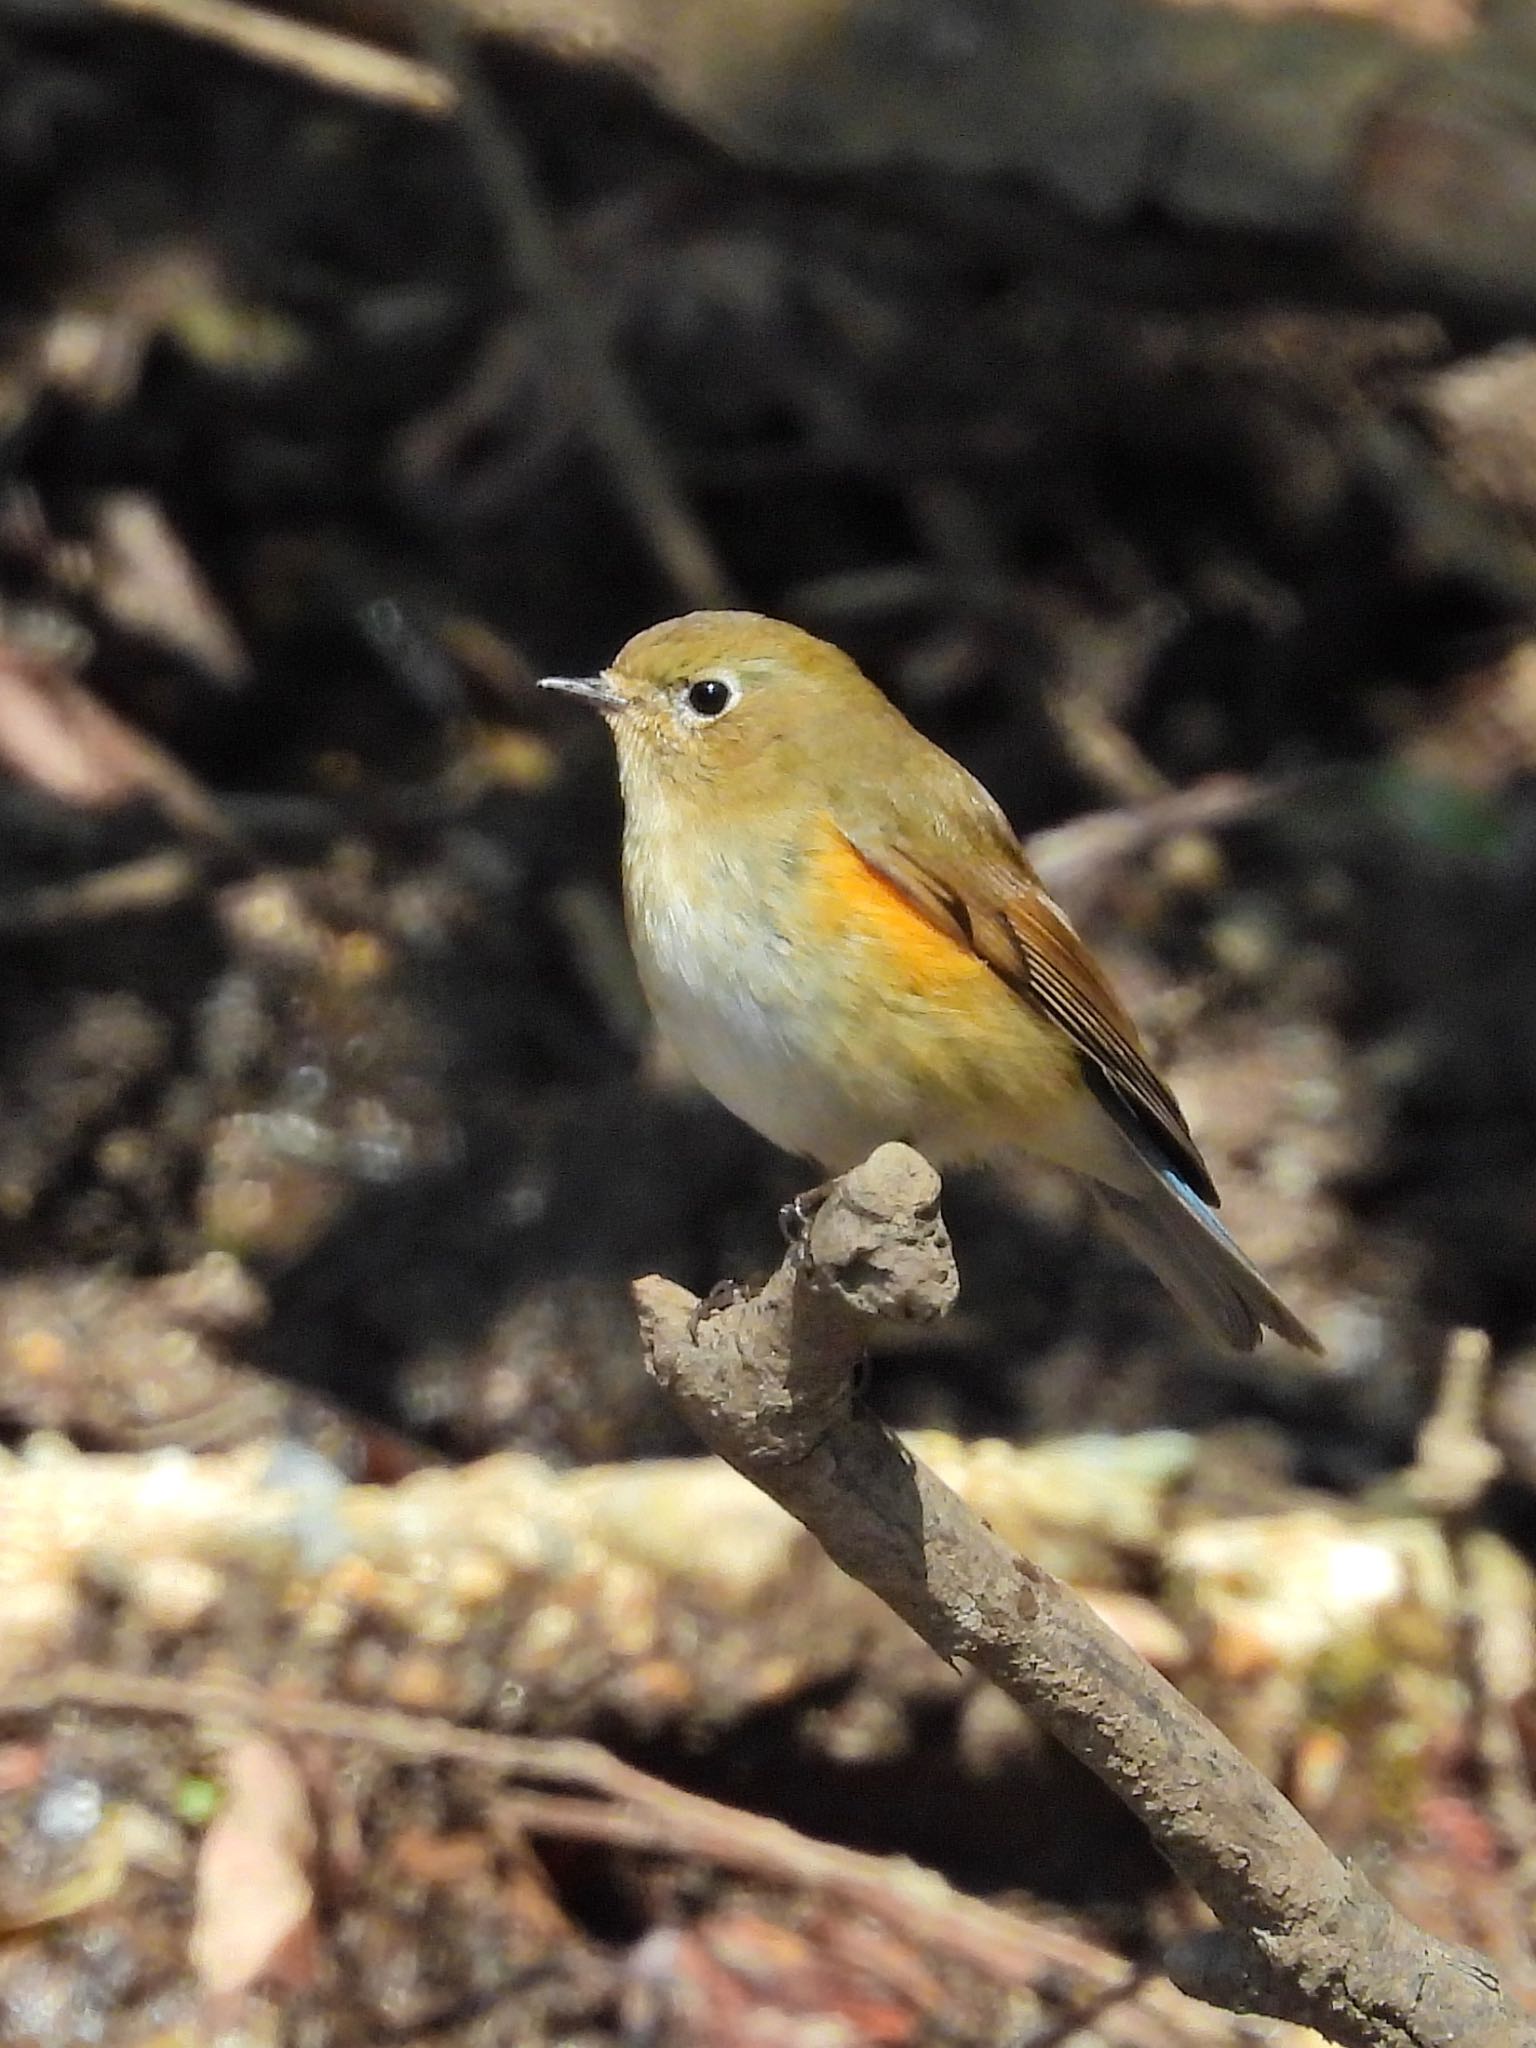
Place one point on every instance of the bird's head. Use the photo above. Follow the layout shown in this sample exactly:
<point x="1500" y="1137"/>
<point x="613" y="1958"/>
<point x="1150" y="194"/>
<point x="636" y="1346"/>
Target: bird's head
<point x="732" y="704"/>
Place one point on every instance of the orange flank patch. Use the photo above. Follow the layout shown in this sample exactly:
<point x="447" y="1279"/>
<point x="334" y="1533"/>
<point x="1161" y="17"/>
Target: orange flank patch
<point x="855" y="897"/>
<point x="936" y="1043"/>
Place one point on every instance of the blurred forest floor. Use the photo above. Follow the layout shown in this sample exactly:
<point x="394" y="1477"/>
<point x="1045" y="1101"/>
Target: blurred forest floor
<point x="329" y="1115"/>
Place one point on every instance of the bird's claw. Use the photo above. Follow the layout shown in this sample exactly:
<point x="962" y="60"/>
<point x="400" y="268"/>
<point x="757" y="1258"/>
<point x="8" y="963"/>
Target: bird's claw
<point x="796" y="1217"/>
<point x="724" y="1294"/>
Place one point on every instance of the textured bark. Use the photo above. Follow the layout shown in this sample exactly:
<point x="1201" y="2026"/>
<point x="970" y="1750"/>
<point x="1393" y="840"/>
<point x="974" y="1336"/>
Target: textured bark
<point x="770" y="1385"/>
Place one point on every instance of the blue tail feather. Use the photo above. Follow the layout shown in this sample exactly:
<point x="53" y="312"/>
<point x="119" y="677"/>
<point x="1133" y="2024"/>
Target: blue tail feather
<point x="1180" y="1237"/>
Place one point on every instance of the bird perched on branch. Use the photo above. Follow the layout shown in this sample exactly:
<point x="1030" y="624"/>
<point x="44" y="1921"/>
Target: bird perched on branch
<point x="838" y="930"/>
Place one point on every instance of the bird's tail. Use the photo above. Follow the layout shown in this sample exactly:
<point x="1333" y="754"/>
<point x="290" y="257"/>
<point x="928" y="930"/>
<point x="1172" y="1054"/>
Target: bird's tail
<point x="1170" y="1229"/>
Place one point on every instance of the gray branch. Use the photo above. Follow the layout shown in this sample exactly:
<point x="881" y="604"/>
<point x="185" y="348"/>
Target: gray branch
<point x="769" y="1383"/>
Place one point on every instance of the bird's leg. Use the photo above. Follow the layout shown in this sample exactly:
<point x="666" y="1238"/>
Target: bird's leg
<point x="796" y="1217"/>
<point x="724" y="1294"/>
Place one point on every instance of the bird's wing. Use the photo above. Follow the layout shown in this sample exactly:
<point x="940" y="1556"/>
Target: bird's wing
<point x="991" y="901"/>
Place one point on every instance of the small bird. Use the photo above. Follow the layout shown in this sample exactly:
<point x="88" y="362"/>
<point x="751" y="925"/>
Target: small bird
<point x="840" y="933"/>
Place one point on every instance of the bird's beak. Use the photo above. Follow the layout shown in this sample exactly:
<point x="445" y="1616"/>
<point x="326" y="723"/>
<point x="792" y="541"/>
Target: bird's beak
<point x="601" y="690"/>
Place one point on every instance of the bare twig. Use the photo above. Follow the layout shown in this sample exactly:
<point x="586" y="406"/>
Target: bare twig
<point x="619" y="1805"/>
<point x="769" y="1383"/>
<point x="57" y="735"/>
<point x="1454" y="1463"/>
<point x="143" y="576"/>
<point x="1095" y="663"/>
<point x="915" y="1903"/>
<point x="1100" y="666"/>
<point x="336" y="62"/>
<point x="145" y="885"/>
<point x="537" y="264"/>
<point x="1084" y="858"/>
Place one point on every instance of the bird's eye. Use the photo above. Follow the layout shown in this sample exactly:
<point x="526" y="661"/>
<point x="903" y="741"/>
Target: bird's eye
<point x="709" y="696"/>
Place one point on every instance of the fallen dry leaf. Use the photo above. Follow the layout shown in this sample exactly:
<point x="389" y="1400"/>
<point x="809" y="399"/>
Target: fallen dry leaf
<point x="22" y="1765"/>
<point x="60" y="737"/>
<point x="736" y="1977"/>
<point x="148" y="583"/>
<point x="253" y="1919"/>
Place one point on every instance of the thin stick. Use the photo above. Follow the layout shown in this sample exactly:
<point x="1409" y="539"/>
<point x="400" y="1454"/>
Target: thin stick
<point x="916" y="1903"/>
<point x="147" y="884"/>
<point x="336" y="62"/>
<point x="536" y="263"/>
<point x="626" y="1808"/>
<point x="769" y="1383"/>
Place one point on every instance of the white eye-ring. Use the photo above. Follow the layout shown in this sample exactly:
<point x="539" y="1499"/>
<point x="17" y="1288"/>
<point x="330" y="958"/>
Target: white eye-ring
<point x="708" y="696"/>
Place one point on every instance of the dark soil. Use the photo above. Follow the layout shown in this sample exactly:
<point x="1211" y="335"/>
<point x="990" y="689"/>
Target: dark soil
<point x="352" y="1004"/>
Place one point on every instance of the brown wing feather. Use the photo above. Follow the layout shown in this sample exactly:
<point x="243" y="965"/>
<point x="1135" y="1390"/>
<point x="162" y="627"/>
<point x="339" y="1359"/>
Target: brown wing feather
<point x="997" y="906"/>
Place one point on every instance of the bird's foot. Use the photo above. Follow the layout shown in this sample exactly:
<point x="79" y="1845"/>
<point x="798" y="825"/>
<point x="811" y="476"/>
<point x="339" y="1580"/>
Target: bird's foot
<point x="796" y="1217"/>
<point x="724" y="1294"/>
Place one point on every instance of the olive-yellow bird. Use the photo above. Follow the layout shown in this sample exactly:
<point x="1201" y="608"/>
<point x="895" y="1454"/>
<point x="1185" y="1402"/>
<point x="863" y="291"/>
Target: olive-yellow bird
<point x="838" y="930"/>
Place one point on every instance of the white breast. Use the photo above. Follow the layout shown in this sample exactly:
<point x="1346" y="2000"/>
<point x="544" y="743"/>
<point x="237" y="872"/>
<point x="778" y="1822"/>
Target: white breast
<point x="726" y="988"/>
